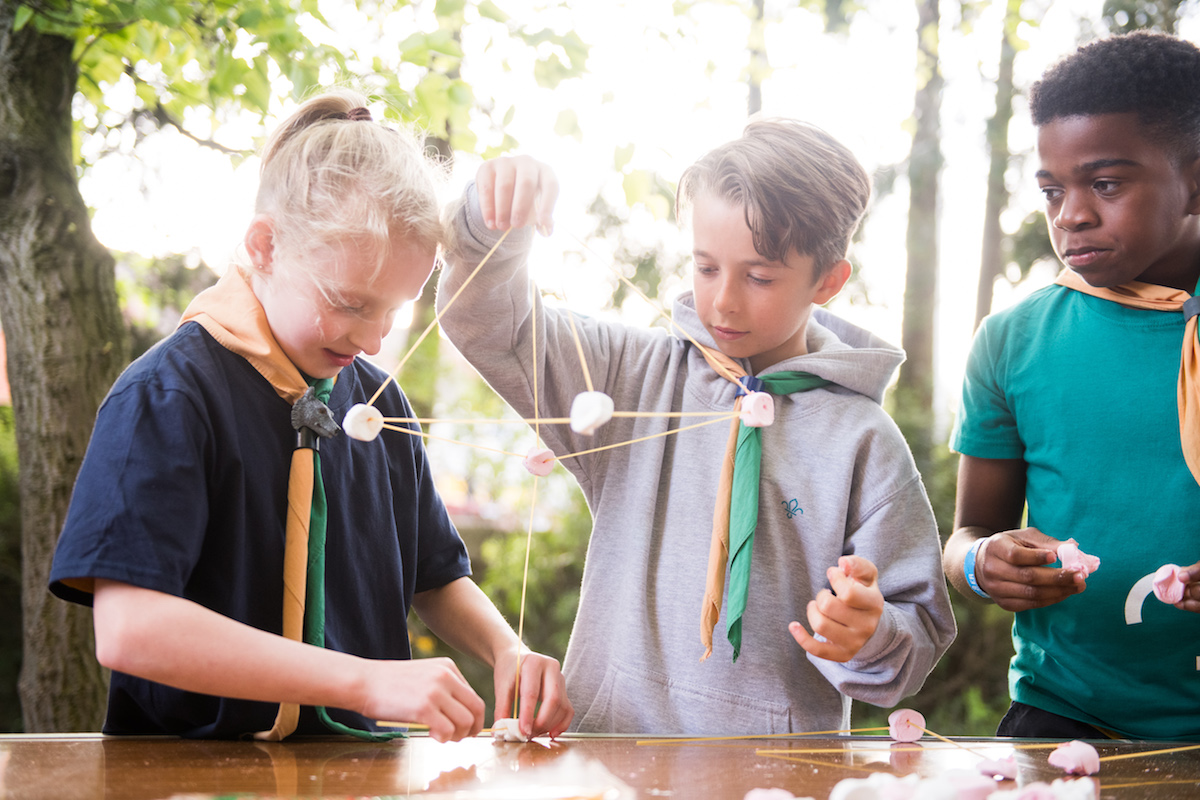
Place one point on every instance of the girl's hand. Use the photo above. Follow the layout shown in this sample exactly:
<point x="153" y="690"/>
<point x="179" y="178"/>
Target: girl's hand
<point x="430" y="691"/>
<point x="846" y="617"/>
<point x="515" y="191"/>
<point x="543" y="691"/>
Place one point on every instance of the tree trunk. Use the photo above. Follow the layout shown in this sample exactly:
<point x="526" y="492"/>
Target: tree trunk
<point x="991" y="261"/>
<point x="914" y="391"/>
<point x="66" y="344"/>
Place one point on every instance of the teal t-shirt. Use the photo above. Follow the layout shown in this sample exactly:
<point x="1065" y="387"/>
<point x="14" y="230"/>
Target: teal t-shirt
<point x="1084" y="390"/>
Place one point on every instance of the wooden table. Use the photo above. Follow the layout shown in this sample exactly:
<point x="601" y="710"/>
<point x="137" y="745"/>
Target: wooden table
<point x="65" y="767"/>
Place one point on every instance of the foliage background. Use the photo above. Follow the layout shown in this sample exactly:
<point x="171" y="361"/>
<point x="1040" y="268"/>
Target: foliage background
<point x="197" y="68"/>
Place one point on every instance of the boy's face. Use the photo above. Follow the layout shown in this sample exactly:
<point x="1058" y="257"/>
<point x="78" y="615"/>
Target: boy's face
<point x="323" y="334"/>
<point x="753" y="308"/>
<point x="1118" y="206"/>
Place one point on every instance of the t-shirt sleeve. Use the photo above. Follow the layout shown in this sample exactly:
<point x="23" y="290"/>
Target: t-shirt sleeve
<point x="139" y="508"/>
<point x="985" y="426"/>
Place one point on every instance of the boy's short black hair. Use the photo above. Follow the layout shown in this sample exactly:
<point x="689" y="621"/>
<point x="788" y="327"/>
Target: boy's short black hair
<point x="1155" y="75"/>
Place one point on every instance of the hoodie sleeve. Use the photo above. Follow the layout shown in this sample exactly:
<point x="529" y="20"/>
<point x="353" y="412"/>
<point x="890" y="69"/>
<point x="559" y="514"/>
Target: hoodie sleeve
<point x="492" y="323"/>
<point x="899" y="535"/>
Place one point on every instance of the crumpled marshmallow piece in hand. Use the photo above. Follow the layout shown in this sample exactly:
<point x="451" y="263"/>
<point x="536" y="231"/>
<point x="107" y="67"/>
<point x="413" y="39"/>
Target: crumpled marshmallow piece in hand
<point x="1075" y="560"/>
<point x="999" y="768"/>
<point x="1167" y="586"/>
<point x="1076" y="758"/>
<point x="590" y="410"/>
<point x="906" y="725"/>
<point x="540" y="461"/>
<point x="508" y="730"/>
<point x="363" y="422"/>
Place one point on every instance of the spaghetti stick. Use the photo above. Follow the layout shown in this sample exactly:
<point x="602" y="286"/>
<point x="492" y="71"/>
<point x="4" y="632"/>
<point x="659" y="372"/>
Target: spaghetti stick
<point x="587" y="376"/>
<point x="949" y="741"/>
<point x="646" y="438"/>
<point x="425" y="435"/>
<point x="549" y="420"/>
<point x="755" y="736"/>
<point x="1123" y="756"/>
<point x="416" y="726"/>
<point x="436" y="319"/>
<point x="524" y="586"/>
<point x="662" y="312"/>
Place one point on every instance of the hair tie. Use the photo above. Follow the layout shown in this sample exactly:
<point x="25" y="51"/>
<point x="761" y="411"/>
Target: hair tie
<point x="359" y="114"/>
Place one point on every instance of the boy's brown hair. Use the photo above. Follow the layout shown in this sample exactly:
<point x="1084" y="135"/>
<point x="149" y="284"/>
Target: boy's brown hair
<point x="801" y="189"/>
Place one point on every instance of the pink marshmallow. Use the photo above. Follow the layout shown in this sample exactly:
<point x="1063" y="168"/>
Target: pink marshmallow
<point x="540" y="461"/>
<point x="999" y="768"/>
<point x="906" y="725"/>
<point x="1075" y="560"/>
<point x="1167" y="586"/>
<point x="1076" y="758"/>
<point x="758" y="410"/>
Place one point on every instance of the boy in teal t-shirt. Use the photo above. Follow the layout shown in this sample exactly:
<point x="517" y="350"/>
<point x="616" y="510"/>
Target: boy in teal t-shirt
<point x="1070" y="407"/>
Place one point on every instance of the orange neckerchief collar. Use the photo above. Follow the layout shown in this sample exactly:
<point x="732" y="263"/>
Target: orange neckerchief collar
<point x="1136" y="294"/>
<point x="232" y="315"/>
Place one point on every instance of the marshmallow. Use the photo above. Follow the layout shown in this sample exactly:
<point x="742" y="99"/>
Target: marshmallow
<point x="540" y="461"/>
<point x="1075" y="560"/>
<point x="363" y="422"/>
<point x="589" y="411"/>
<point x="508" y="730"/>
<point x="999" y="768"/>
<point x="758" y="410"/>
<point x="906" y="725"/>
<point x="1167" y="586"/>
<point x="770" y="794"/>
<point x="1076" y="758"/>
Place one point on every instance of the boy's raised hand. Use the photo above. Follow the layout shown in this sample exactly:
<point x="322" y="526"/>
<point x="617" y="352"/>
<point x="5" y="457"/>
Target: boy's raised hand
<point x="845" y="617"/>
<point x="515" y="191"/>
<point x="1012" y="568"/>
<point x="543" y="693"/>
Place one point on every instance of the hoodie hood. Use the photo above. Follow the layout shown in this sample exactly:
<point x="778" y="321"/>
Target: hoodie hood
<point x="838" y="351"/>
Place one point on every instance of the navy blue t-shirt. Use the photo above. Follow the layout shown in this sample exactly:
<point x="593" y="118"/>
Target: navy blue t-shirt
<point x="184" y="491"/>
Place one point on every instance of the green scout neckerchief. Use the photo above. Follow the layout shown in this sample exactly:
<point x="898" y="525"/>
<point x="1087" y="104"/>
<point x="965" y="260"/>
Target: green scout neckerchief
<point x="735" y="516"/>
<point x="232" y="315"/>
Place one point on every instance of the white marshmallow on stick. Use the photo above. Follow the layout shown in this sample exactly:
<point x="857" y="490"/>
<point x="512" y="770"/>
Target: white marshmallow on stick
<point x="589" y="411"/>
<point x="363" y="422"/>
<point x="540" y="461"/>
<point x="758" y="410"/>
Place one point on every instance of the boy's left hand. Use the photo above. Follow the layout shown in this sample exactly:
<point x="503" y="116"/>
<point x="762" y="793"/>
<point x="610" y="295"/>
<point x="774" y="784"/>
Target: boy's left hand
<point x="1191" y="589"/>
<point x="515" y="191"/>
<point x="543" y="692"/>
<point x="846" y="617"/>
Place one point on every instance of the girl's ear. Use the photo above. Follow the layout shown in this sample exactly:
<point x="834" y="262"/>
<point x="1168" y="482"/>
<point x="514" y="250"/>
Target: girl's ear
<point x="260" y="243"/>
<point x="832" y="282"/>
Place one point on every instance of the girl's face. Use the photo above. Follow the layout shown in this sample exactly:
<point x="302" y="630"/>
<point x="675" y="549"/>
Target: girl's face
<point x="753" y="308"/>
<point x="323" y="332"/>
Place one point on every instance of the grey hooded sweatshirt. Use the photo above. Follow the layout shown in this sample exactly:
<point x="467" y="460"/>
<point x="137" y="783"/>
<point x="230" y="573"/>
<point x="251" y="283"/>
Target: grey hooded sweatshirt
<point x="837" y="478"/>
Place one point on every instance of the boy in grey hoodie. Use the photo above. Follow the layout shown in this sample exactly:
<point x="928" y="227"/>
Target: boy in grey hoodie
<point x="844" y="535"/>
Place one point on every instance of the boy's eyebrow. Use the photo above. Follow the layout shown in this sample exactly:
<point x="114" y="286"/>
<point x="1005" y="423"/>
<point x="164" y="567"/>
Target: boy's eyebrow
<point x="757" y="262"/>
<point x="1092" y="166"/>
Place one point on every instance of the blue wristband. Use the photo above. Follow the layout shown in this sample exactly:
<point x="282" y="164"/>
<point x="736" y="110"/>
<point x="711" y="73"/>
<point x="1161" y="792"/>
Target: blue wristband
<point x="969" y="568"/>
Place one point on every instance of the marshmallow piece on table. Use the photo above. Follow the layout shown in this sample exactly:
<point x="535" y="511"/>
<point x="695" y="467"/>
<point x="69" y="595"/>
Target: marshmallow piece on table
<point x="770" y="794"/>
<point x="758" y="410"/>
<point x="1167" y="586"/>
<point x="1075" y="560"/>
<point x="363" y="422"/>
<point x="1076" y="758"/>
<point x="906" y="725"/>
<point x="540" y="461"/>
<point x="590" y="410"/>
<point x="999" y="768"/>
<point x="508" y="730"/>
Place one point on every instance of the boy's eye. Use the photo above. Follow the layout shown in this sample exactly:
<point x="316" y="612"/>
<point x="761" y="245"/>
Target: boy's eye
<point x="1051" y="193"/>
<point x="757" y="281"/>
<point x="1105" y="186"/>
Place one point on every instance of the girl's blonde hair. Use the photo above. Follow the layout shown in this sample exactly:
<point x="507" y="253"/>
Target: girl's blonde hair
<point x="331" y="178"/>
